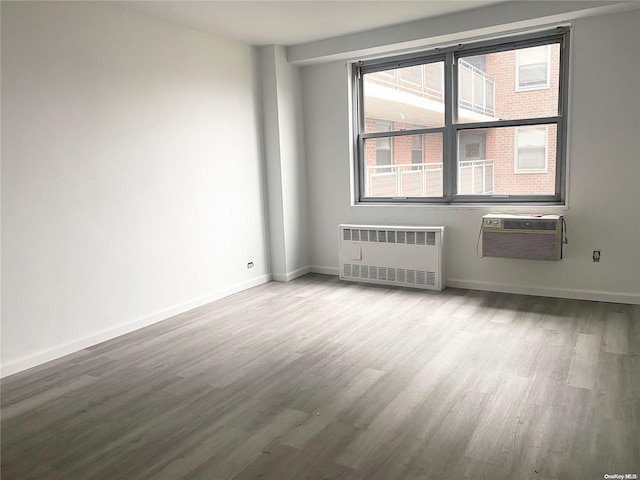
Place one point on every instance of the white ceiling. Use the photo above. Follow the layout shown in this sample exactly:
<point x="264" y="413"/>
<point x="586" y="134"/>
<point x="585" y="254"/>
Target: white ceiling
<point x="295" y="21"/>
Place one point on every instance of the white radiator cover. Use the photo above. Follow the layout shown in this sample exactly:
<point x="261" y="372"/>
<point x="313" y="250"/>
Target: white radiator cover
<point x="392" y="255"/>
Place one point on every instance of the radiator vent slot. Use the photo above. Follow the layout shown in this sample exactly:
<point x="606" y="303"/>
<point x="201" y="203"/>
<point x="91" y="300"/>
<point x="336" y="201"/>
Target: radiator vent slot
<point x="431" y="238"/>
<point x="403" y="256"/>
<point x="398" y="276"/>
<point x="390" y="236"/>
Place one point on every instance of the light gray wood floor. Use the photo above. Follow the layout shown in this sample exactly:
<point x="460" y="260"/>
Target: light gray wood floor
<point x="318" y="379"/>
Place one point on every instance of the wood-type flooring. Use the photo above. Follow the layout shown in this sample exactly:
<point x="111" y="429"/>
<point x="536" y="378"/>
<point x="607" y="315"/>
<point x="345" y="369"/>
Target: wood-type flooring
<point x="322" y="379"/>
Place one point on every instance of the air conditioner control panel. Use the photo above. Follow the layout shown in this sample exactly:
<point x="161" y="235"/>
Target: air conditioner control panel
<point x="521" y="222"/>
<point x="492" y="223"/>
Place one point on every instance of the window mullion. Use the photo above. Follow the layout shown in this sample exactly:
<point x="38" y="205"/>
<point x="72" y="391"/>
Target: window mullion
<point x="449" y="155"/>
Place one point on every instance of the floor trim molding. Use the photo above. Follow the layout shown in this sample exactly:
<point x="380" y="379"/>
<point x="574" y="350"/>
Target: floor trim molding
<point x="324" y="270"/>
<point x="574" y="294"/>
<point x="568" y="293"/>
<point x="287" y="277"/>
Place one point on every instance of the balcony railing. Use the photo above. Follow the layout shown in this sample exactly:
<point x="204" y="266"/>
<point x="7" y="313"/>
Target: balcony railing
<point x="476" y="88"/>
<point x="421" y="80"/>
<point x="475" y="177"/>
<point x="477" y="91"/>
<point x="404" y="180"/>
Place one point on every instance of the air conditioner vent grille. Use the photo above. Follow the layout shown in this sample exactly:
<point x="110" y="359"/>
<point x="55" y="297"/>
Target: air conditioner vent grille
<point x="529" y="224"/>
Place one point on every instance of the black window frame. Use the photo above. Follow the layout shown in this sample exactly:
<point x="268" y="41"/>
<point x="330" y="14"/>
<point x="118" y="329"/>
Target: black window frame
<point x="449" y="56"/>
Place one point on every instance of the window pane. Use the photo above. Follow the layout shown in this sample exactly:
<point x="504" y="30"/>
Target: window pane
<point x="383" y="145"/>
<point x="531" y="154"/>
<point x="407" y="98"/>
<point x="532" y="75"/>
<point x="414" y="168"/>
<point x="490" y="87"/>
<point x="533" y="67"/>
<point x="507" y="161"/>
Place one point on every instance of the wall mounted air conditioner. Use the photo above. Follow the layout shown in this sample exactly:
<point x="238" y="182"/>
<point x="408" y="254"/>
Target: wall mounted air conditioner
<point x="534" y="237"/>
<point x="403" y="256"/>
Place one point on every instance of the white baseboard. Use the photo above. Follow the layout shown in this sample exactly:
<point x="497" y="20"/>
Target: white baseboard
<point x="324" y="270"/>
<point x="287" y="277"/>
<point x="72" y="346"/>
<point x="574" y="294"/>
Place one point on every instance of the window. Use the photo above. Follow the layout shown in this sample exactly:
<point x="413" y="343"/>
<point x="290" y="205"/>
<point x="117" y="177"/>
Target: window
<point x="531" y="150"/>
<point x="532" y="67"/>
<point x="466" y="135"/>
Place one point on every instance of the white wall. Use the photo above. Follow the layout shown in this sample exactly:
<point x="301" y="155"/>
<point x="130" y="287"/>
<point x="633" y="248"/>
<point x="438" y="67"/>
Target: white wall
<point x="131" y="174"/>
<point x="285" y="163"/>
<point x="272" y="160"/>
<point x="604" y="175"/>
<point x="294" y="175"/>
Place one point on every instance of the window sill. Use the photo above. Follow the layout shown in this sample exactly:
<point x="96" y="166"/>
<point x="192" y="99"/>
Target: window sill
<point x="532" y="89"/>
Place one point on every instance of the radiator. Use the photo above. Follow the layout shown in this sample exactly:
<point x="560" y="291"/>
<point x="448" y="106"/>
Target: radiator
<point x="403" y="256"/>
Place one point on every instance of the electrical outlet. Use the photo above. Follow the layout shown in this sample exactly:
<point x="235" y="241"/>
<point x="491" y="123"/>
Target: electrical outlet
<point x="250" y="265"/>
<point x="596" y="255"/>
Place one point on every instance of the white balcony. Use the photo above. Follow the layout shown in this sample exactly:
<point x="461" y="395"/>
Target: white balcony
<point x="475" y="177"/>
<point x="389" y="97"/>
<point x="476" y="92"/>
<point x="405" y="180"/>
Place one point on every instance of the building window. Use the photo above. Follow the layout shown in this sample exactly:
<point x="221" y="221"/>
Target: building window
<point x="532" y="68"/>
<point x="417" y="149"/>
<point x="531" y="150"/>
<point x="383" y="145"/>
<point x="465" y="135"/>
